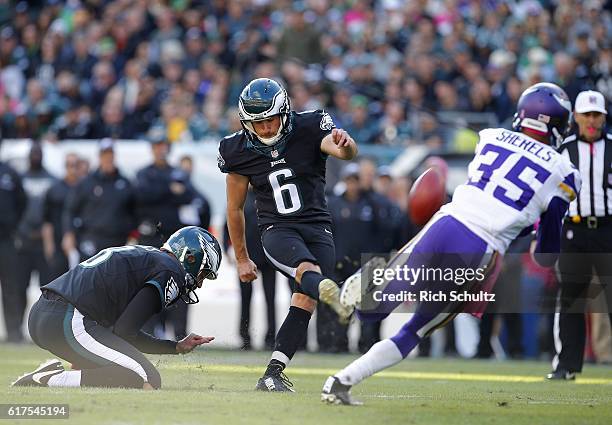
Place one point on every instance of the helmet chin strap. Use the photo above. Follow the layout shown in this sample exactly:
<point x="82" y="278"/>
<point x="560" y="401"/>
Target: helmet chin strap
<point x="268" y="141"/>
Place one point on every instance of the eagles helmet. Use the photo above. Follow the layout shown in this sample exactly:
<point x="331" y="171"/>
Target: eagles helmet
<point x="262" y="99"/>
<point x="200" y="255"/>
<point x="545" y="109"/>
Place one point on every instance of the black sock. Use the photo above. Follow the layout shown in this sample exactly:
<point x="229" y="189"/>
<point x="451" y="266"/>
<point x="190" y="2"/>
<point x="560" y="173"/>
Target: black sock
<point x="290" y="335"/>
<point x="310" y="283"/>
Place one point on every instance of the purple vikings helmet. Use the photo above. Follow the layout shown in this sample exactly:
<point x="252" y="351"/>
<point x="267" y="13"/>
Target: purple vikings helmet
<point x="545" y="109"/>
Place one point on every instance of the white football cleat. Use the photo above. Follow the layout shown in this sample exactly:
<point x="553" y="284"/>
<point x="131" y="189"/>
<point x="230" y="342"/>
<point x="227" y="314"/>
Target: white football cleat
<point x="351" y="293"/>
<point x="41" y="375"/>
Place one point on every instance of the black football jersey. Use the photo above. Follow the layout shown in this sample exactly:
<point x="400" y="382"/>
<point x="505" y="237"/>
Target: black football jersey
<point x="289" y="184"/>
<point x="103" y="286"/>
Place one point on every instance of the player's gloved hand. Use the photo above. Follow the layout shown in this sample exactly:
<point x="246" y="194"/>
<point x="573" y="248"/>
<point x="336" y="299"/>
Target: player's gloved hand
<point x="341" y="138"/>
<point x="191" y="341"/>
<point x="247" y="270"/>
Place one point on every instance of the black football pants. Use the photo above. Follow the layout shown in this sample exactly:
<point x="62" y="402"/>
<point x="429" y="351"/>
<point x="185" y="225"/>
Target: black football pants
<point x="105" y="359"/>
<point x="583" y="252"/>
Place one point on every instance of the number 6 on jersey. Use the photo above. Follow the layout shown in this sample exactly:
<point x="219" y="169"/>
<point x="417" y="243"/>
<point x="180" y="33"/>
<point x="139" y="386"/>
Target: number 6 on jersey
<point x="286" y="196"/>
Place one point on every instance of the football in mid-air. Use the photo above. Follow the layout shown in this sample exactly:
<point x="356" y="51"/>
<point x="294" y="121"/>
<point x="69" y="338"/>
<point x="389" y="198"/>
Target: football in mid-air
<point x="426" y="196"/>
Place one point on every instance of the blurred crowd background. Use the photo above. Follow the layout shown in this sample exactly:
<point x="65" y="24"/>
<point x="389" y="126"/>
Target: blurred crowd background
<point x="395" y="74"/>
<point x="391" y="72"/>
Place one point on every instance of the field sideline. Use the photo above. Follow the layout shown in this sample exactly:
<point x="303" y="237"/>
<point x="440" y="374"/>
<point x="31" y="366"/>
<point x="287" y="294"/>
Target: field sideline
<point x="216" y="387"/>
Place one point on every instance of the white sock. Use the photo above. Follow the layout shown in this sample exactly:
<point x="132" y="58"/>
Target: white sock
<point x="68" y="378"/>
<point x="382" y="355"/>
<point x="281" y="357"/>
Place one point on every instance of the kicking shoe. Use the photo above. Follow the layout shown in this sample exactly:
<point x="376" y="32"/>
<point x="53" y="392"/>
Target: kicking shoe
<point x="350" y="295"/>
<point x="41" y="375"/>
<point x="329" y="293"/>
<point x="274" y="380"/>
<point x="561" y="375"/>
<point x="334" y="392"/>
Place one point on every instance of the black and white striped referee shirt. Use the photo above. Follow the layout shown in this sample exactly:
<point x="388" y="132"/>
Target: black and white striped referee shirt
<point x="594" y="162"/>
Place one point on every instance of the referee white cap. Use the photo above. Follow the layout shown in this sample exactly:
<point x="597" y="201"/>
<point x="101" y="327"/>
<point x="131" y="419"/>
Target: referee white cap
<point x="590" y="101"/>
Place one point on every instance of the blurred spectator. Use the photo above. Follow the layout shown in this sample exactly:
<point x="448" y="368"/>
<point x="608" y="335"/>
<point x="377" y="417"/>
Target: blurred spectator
<point x="80" y="58"/>
<point x="112" y="122"/>
<point x="53" y="208"/>
<point x="13" y="201"/>
<point x="384" y="181"/>
<point x="83" y="167"/>
<point x="394" y="129"/>
<point x="197" y="213"/>
<point x="28" y="241"/>
<point x="340" y="108"/>
<point x="360" y="127"/>
<point x="161" y="190"/>
<point x="99" y="210"/>
<point x="430" y="132"/>
<point x="102" y="81"/>
<point x="481" y="99"/>
<point x="299" y="39"/>
<point x="385" y="56"/>
<point x="75" y="123"/>
<point x="29" y="244"/>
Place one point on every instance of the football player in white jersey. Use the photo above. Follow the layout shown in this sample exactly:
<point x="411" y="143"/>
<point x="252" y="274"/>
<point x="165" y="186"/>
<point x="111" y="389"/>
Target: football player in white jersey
<point x="515" y="179"/>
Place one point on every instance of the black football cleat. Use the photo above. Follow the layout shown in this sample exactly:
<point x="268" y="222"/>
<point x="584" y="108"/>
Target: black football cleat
<point x="274" y="380"/>
<point x="335" y="392"/>
<point x="561" y="375"/>
<point x="41" y="375"/>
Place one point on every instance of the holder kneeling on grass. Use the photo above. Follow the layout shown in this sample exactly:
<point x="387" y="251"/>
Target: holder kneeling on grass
<point x="92" y="315"/>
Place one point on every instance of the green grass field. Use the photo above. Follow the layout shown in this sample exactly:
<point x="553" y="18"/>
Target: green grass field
<point x="216" y="387"/>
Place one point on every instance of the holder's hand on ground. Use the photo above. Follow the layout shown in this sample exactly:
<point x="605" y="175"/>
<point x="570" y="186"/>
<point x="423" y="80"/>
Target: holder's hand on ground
<point x="191" y="341"/>
<point x="247" y="270"/>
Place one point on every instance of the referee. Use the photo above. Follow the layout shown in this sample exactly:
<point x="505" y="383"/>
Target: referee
<point x="587" y="230"/>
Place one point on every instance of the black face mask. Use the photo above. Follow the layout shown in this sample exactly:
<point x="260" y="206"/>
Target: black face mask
<point x="188" y="294"/>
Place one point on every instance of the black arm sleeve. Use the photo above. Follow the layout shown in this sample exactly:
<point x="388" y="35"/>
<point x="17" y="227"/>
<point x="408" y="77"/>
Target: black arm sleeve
<point x="145" y="304"/>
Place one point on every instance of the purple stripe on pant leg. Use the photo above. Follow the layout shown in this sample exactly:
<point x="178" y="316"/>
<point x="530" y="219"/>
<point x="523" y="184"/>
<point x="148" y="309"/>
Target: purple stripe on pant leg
<point x="406" y="339"/>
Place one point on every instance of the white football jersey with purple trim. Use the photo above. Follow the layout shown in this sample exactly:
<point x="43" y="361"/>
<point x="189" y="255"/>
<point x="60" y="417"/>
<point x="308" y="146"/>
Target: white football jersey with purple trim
<point x="511" y="181"/>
